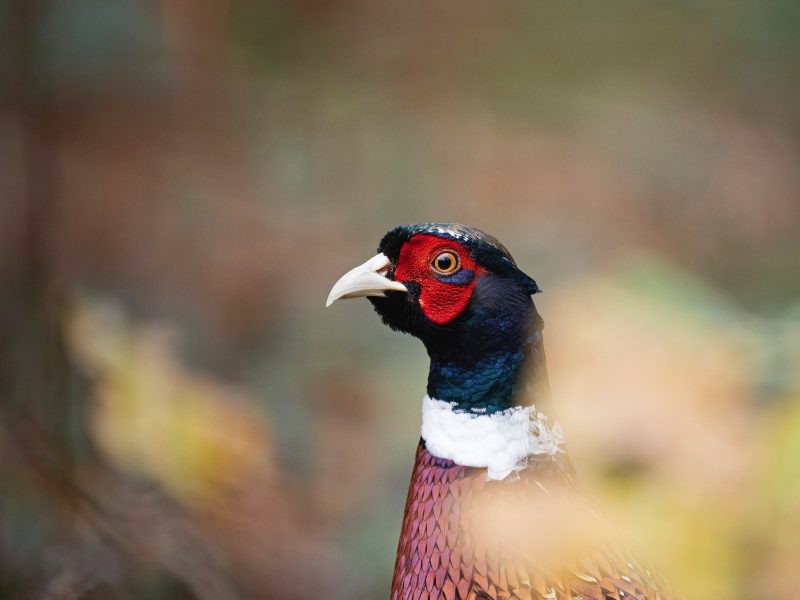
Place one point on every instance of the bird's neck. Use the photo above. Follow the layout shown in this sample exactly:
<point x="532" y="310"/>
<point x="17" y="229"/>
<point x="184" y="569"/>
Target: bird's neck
<point x="490" y="367"/>
<point x="487" y="384"/>
<point x="479" y="410"/>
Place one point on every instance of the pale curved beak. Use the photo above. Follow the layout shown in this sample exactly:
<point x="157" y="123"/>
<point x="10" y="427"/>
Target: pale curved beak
<point x="365" y="280"/>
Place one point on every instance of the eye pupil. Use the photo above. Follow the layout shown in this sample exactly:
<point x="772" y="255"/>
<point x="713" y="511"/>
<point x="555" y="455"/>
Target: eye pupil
<point x="445" y="263"/>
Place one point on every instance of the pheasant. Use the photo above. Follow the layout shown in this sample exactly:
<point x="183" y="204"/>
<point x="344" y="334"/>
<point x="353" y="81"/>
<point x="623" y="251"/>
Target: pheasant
<point x="493" y="511"/>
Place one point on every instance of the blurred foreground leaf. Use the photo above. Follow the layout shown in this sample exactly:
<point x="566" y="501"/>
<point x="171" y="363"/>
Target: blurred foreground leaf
<point x="682" y="410"/>
<point x="196" y="437"/>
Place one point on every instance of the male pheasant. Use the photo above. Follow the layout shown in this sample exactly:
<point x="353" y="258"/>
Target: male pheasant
<point x="492" y="511"/>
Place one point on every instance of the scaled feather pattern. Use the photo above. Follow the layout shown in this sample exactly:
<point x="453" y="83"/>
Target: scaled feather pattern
<point x="465" y="537"/>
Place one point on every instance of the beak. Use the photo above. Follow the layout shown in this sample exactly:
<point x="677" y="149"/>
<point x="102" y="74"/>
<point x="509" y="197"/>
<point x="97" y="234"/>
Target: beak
<point x="365" y="280"/>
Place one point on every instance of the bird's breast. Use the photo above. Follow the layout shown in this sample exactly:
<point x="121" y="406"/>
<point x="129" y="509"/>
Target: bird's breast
<point x="530" y="536"/>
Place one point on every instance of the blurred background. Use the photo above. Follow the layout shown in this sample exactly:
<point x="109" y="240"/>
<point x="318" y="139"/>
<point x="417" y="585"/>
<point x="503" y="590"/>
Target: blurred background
<point x="183" y="181"/>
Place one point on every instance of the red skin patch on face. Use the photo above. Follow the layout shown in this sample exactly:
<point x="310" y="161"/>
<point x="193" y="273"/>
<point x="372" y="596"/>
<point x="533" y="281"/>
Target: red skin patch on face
<point x="441" y="300"/>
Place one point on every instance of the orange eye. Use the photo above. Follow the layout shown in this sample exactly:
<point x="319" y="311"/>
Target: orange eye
<point x="445" y="263"/>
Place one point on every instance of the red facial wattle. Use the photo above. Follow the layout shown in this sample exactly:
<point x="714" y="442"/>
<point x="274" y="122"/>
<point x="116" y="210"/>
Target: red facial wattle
<point x="442" y="296"/>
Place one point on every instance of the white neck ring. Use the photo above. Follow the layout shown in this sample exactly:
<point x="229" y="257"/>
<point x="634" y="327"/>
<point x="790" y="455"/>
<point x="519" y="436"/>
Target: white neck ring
<point x="498" y="441"/>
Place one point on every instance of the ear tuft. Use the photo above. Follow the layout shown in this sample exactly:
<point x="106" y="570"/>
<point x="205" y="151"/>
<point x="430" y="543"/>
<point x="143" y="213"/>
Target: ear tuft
<point x="528" y="283"/>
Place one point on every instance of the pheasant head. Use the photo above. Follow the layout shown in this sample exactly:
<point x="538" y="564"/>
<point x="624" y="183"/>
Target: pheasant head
<point x="460" y="292"/>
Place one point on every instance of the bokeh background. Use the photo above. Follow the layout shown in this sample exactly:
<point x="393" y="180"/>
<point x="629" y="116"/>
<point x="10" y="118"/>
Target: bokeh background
<point x="183" y="181"/>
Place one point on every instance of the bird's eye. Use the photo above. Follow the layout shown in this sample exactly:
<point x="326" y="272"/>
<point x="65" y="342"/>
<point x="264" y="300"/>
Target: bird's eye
<point x="445" y="263"/>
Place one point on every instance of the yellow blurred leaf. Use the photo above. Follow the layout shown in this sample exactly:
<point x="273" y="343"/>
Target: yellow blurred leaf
<point x="198" y="438"/>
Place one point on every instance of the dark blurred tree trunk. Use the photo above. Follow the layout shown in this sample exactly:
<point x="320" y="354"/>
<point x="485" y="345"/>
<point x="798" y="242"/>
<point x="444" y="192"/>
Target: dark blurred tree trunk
<point x="42" y="419"/>
<point x="38" y="417"/>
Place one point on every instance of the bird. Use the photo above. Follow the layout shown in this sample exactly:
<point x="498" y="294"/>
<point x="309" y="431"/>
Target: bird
<point x="493" y="511"/>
